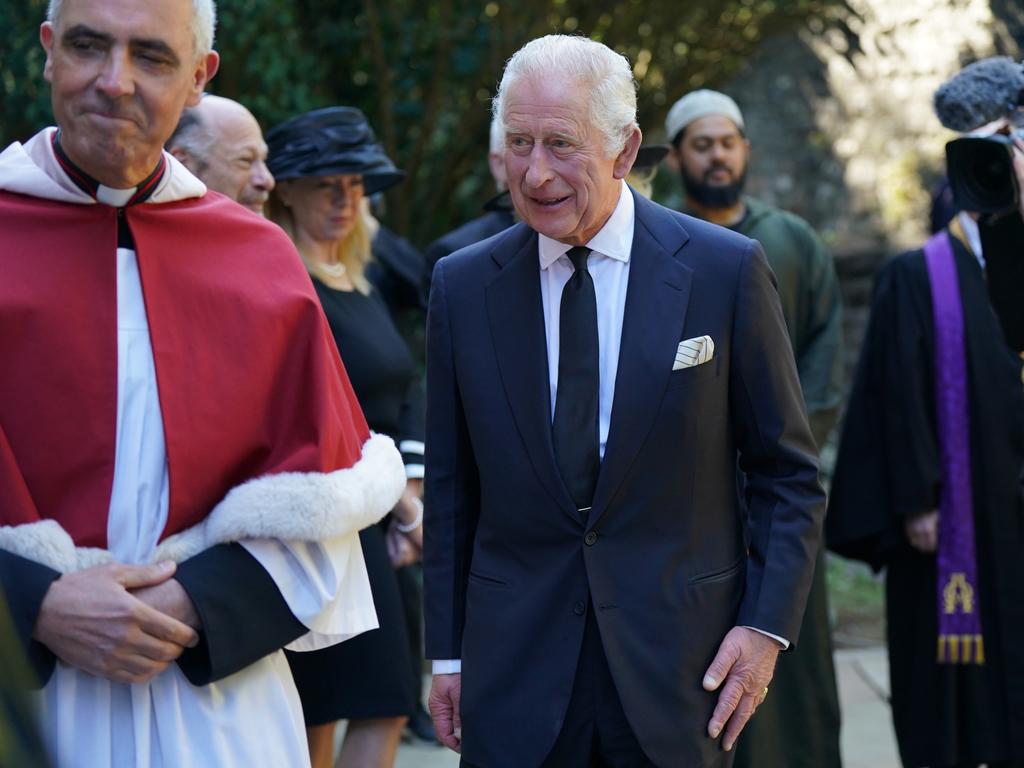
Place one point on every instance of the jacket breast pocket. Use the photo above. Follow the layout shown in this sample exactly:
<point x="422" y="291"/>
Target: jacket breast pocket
<point x="695" y="373"/>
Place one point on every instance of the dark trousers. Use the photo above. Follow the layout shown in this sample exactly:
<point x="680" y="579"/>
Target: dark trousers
<point x="595" y="733"/>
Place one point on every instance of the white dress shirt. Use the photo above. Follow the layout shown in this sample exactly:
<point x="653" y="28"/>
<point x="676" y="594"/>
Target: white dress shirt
<point x="609" y="267"/>
<point x="973" y="233"/>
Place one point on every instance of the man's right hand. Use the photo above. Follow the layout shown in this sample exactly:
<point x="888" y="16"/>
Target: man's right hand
<point x="89" y="620"/>
<point x="443" y="702"/>
<point x="923" y="531"/>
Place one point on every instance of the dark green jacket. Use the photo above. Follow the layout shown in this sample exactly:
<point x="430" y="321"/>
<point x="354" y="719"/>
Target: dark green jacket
<point x="809" y="292"/>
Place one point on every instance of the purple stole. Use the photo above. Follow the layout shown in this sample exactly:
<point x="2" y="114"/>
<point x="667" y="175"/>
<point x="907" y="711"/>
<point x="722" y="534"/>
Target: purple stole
<point x="960" y="637"/>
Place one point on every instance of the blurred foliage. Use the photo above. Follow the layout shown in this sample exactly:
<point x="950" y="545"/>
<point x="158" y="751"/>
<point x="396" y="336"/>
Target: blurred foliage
<point x="424" y="72"/>
<point x="24" y="95"/>
<point x="856" y="603"/>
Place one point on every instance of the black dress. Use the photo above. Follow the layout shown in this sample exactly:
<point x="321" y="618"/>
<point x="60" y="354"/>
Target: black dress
<point x="368" y="676"/>
<point x="888" y="468"/>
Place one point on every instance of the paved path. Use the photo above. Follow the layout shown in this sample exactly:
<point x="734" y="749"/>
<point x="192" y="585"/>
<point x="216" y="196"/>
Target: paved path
<point x="867" y="737"/>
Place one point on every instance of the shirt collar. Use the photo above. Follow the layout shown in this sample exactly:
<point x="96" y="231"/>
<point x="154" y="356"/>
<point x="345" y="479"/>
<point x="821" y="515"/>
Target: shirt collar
<point x="614" y="240"/>
<point x="973" y="234"/>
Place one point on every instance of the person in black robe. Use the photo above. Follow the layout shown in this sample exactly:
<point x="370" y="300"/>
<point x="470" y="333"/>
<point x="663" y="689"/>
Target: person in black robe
<point x="396" y="272"/>
<point x="888" y="479"/>
<point x="910" y="482"/>
<point x="498" y="216"/>
<point x="498" y="213"/>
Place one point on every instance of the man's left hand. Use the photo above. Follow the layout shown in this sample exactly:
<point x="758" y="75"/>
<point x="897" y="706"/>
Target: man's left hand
<point x="742" y="669"/>
<point x="171" y="599"/>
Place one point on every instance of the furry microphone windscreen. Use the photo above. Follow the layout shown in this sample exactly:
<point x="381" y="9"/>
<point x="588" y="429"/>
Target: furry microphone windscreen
<point x="980" y="93"/>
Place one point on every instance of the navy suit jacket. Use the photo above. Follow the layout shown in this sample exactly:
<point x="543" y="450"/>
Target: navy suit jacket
<point x="672" y="554"/>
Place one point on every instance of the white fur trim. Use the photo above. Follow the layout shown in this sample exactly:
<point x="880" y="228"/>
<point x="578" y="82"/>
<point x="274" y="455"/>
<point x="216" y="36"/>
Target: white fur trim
<point x="301" y="506"/>
<point x="48" y="544"/>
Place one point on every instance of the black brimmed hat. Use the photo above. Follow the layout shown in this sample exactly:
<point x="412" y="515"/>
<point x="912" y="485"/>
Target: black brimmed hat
<point x="325" y="142"/>
<point x="649" y="155"/>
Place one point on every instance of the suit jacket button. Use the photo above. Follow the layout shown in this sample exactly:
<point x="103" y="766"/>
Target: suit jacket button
<point x="579" y="608"/>
<point x="590" y="539"/>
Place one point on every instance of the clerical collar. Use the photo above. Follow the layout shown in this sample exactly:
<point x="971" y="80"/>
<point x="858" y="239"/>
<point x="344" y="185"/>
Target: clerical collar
<point x="117" y="198"/>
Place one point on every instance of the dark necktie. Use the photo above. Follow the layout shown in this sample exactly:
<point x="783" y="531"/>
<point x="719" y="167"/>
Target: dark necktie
<point x="575" y="427"/>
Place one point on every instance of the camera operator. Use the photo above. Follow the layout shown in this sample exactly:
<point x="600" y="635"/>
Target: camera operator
<point x="928" y="477"/>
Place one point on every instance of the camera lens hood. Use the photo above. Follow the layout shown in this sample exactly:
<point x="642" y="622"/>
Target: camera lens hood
<point x="981" y="173"/>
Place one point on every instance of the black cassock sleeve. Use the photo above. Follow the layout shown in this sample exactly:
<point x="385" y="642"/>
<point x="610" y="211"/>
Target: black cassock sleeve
<point x="888" y="466"/>
<point x="25" y="584"/>
<point x="244" y="616"/>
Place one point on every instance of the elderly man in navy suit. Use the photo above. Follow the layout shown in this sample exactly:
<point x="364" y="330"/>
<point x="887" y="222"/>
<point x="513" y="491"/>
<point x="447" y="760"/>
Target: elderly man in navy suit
<point x="601" y="590"/>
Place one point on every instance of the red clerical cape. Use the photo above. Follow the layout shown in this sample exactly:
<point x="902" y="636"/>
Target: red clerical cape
<point x="249" y="379"/>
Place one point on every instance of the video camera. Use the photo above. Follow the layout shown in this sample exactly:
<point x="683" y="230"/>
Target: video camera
<point x="980" y="168"/>
<point x="981" y="172"/>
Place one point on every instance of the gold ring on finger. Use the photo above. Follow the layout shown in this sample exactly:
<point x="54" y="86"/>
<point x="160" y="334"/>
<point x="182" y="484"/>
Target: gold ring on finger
<point x="764" y="694"/>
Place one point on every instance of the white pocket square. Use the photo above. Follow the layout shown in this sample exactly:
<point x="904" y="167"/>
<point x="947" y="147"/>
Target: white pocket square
<point x="691" y="352"/>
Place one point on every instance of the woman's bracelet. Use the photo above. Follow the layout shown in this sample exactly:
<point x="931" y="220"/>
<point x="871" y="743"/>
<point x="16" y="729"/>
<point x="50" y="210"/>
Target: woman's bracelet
<point x="417" y="522"/>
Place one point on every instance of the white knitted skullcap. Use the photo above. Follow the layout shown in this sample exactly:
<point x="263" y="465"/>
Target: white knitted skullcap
<point x="698" y="104"/>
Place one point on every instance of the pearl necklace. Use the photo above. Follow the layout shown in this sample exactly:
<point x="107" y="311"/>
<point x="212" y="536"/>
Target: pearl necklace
<point x="333" y="269"/>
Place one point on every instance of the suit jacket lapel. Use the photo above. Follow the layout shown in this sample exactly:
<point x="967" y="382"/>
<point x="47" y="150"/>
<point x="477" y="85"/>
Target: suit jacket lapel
<point x="656" y="301"/>
<point x="517" y="331"/>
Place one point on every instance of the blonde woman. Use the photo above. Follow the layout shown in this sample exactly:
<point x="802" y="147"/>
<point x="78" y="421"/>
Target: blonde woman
<point x="325" y="163"/>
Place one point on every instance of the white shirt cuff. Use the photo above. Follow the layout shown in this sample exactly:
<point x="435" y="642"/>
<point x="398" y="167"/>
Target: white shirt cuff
<point x="447" y="666"/>
<point x="780" y="640"/>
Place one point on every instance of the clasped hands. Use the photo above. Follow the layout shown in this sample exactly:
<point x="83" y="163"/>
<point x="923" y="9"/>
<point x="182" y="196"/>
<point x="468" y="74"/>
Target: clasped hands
<point x="125" y="623"/>
<point x="741" y="670"/>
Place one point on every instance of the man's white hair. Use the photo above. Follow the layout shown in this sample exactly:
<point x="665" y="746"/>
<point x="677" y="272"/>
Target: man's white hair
<point x="204" y="21"/>
<point x="497" y="135"/>
<point x="604" y="74"/>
